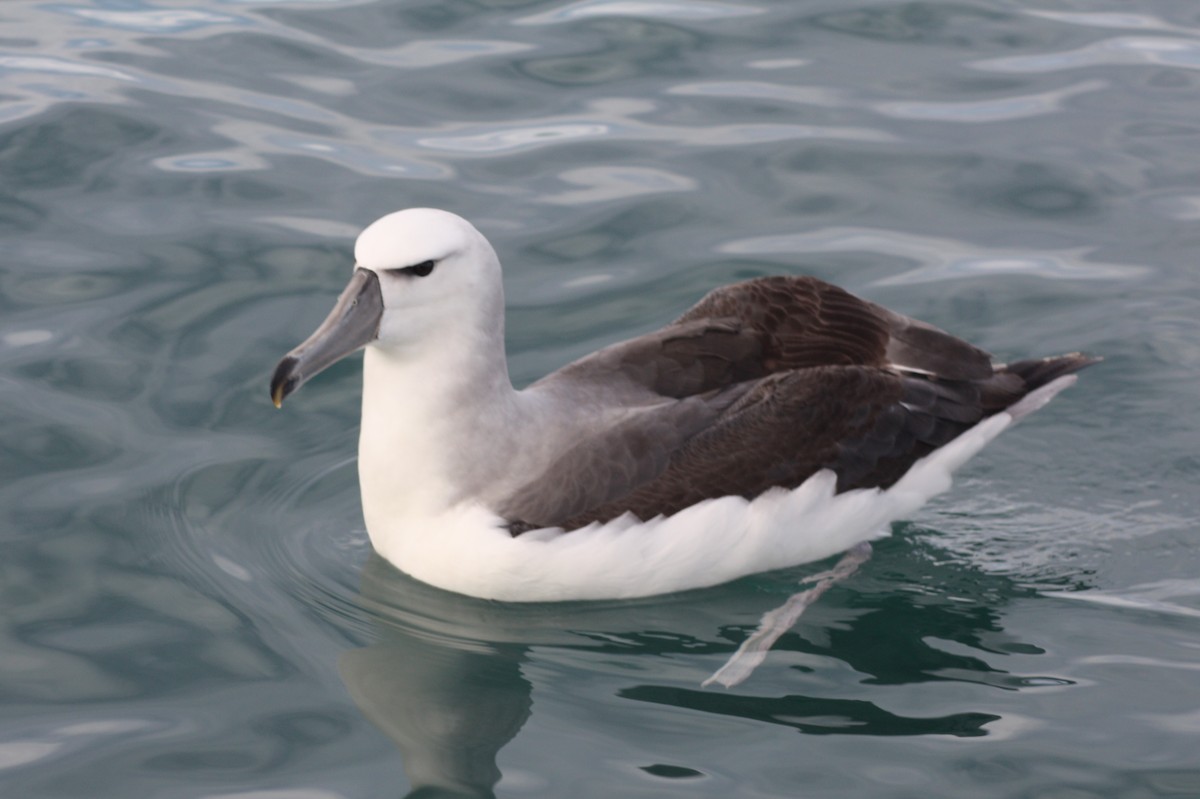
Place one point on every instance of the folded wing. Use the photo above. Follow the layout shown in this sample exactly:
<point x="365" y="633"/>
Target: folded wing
<point x="760" y="385"/>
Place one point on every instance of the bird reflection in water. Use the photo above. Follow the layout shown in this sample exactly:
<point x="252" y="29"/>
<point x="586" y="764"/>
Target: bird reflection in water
<point x="447" y="679"/>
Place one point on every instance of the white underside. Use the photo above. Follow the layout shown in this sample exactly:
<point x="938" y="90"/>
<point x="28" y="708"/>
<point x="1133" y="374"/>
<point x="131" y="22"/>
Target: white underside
<point x="467" y="550"/>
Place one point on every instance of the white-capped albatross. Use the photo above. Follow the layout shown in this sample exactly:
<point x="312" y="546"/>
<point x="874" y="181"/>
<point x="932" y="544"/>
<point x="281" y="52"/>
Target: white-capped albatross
<point x="779" y="421"/>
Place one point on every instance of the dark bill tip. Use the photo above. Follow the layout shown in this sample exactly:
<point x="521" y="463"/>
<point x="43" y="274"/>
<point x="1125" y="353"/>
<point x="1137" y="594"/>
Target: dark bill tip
<point x="285" y="380"/>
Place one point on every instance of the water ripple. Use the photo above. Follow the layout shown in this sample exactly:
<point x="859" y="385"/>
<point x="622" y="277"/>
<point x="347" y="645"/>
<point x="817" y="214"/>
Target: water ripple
<point x="605" y="183"/>
<point x="940" y="258"/>
<point x="1109" y="19"/>
<point x="519" y="137"/>
<point x="50" y="65"/>
<point x="439" y="52"/>
<point x="613" y="120"/>
<point x="690" y="10"/>
<point x="997" y="110"/>
<point x="151" y="20"/>
<point x="975" y="111"/>
<point x="762" y="90"/>
<point x="354" y="150"/>
<point x="1159" y="597"/>
<point x="1119" y="51"/>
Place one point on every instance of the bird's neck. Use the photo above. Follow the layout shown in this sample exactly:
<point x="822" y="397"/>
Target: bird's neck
<point x="430" y="417"/>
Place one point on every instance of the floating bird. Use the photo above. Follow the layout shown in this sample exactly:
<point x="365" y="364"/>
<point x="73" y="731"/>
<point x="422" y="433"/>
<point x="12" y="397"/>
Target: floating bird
<point x="781" y="420"/>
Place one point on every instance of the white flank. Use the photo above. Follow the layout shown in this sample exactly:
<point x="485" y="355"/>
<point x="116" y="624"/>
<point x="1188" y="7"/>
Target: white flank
<point x="466" y="549"/>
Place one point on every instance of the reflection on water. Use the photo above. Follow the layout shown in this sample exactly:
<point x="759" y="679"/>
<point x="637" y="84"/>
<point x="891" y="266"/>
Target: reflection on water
<point x="445" y="679"/>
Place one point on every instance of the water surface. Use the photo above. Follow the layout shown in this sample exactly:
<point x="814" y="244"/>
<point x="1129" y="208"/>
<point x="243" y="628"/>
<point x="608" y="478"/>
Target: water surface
<point x="190" y="604"/>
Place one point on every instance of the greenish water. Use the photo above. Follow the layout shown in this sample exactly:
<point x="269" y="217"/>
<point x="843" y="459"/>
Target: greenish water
<point x="188" y="603"/>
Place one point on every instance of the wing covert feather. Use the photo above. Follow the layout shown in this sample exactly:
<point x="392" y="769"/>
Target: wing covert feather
<point x="759" y="327"/>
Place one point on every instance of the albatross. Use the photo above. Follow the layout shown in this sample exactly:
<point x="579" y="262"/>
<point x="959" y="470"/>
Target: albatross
<point x="781" y="420"/>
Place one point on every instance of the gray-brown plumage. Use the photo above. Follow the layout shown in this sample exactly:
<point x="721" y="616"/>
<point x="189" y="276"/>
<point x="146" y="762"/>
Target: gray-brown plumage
<point x="760" y="385"/>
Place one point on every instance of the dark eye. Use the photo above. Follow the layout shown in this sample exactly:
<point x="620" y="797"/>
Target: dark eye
<point x="422" y="269"/>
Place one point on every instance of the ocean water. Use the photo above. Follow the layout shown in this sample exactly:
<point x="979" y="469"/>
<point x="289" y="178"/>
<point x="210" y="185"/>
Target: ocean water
<point x="189" y="606"/>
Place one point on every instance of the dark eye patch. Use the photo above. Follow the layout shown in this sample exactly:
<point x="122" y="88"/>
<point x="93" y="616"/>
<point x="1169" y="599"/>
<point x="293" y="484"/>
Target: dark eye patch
<point x="423" y="269"/>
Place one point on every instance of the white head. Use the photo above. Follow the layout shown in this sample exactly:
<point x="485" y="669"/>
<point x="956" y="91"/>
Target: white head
<point x="437" y="275"/>
<point x="424" y="280"/>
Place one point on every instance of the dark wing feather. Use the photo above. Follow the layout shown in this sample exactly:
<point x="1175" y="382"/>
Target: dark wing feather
<point x="681" y="360"/>
<point x="867" y="425"/>
<point x="759" y="327"/>
<point x="800" y="322"/>
<point x="774" y="379"/>
<point x="803" y="322"/>
<point x="602" y="467"/>
<point x="913" y="344"/>
<point x="782" y="431"/>
<point x="742" y="332"/>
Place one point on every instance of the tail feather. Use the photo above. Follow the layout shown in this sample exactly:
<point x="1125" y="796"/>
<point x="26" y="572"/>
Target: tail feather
<point x="1037" y="372"/>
